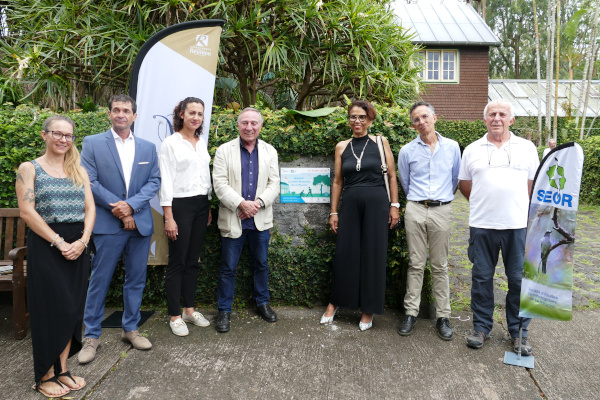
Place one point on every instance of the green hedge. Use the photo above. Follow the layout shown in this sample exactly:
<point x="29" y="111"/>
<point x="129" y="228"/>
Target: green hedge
<point x="21" y="140"/>
<point x="299" y="274"/>
<point x="590" y="182"/>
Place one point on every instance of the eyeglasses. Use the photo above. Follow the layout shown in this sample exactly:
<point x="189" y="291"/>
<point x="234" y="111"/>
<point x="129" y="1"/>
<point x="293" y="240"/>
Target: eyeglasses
<point x="360" y="118"/>
<point x="423" y="118"/>
<point x="57" y="135"/>
<point x="499" y="158"/>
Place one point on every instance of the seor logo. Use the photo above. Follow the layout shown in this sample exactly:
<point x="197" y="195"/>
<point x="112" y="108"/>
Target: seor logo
<point x="556" y="175"/>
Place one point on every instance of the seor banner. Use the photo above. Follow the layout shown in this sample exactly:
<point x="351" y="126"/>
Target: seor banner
<point x="546" y="290"/>
<point x="177" y="62"/>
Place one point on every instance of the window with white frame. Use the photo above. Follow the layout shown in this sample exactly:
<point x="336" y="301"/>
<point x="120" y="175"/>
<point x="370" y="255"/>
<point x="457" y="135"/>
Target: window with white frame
<point x="438" y="65"/>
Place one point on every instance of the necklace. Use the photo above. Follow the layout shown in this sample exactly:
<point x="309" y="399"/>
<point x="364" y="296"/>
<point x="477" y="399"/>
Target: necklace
<point x="52" y="168"/>
<point x="359" y="159"/>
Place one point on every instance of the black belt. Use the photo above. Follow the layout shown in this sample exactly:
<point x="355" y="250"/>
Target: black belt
<point x="433" y="203"/>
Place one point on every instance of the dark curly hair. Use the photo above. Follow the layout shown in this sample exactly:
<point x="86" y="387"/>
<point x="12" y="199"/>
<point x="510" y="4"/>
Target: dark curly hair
<point x="365" y="105"/>
<point x="178" y="120"/>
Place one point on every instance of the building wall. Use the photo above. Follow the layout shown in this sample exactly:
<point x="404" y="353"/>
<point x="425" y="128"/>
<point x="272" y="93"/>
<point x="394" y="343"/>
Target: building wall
<point x="467" y="99"/>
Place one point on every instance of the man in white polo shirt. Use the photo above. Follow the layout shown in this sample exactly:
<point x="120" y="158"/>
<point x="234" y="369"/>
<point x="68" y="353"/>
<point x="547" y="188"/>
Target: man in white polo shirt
<point x="496" y="176"/>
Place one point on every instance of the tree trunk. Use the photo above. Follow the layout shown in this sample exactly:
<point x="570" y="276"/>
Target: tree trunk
<point x="591" y="69"/>
<point x="305" y="88"/>
<point x="588" y="57"/>
<point x="244" y="89"/>
<point x="253" y="90"/>
<point x="517" y="59"/>
<point x="555" y="128"/>
<point x="570" y="115"/>
<point x="549" y="66"/>
<point x="539" y="74"/>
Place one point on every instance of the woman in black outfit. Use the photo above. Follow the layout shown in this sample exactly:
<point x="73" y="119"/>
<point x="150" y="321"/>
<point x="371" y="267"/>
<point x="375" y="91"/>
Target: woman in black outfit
<point x="364" y="219"/>
<point x="56" y="202"/>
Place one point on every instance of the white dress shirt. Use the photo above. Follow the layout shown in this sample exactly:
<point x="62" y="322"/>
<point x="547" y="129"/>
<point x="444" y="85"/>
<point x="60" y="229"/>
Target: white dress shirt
<point x="184" y="171"/>
<point x="126" y="150"/>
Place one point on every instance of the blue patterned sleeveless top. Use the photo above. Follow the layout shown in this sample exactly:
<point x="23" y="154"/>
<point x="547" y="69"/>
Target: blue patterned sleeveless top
<point x="57" y="200"/>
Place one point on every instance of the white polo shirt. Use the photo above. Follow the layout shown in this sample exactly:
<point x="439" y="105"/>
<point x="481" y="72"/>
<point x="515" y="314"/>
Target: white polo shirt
<point x="499" y="194"/>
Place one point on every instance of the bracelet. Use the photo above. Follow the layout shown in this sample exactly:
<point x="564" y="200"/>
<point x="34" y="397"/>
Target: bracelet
<point x="53" y="243"/>
<point x="168" y="220"/>
<point x="59" y="243"/>
<point x="330" y="214"/>
<point x="87" y="230"/>
<point x="84" y="243"/>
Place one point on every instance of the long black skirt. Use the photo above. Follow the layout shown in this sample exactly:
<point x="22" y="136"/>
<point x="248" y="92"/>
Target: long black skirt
<point x="358" y="280"/>
<point x="56" y="291"/>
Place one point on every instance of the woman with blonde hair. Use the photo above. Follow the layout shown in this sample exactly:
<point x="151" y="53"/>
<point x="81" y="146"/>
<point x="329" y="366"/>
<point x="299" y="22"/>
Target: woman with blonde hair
<point x="56" y="201"/>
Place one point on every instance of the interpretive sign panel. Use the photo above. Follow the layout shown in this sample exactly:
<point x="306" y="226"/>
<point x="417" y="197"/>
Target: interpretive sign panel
<point x="305" y="185"/>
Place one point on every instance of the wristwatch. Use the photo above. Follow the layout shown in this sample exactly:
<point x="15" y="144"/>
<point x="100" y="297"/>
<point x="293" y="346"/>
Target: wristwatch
<point x="262" y="203"/>
<point x="397" y="205"/>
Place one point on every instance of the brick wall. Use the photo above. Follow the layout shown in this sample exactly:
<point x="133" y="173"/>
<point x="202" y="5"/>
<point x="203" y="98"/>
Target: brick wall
<point x="466" y="99"/>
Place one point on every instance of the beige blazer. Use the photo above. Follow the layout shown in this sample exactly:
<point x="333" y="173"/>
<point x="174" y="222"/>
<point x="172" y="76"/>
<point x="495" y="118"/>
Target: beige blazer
<point x="227" y="184"/>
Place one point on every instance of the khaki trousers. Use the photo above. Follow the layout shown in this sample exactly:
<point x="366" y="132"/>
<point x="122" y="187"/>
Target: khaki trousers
<point x="428" y="227"/>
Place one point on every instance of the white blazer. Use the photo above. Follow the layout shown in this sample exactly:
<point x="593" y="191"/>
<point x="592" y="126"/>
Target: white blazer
<point x="227" y="184"/>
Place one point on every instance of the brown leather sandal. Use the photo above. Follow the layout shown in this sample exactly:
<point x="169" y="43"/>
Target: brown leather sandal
<point x="68" y="375"/>
<point x="54" y="379"/>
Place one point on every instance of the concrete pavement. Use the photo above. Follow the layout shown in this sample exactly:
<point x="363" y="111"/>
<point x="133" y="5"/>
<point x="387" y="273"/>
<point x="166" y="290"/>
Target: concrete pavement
<point x="296" y="358"/>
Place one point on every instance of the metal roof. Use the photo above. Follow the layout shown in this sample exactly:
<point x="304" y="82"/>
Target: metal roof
<point x="523" y="94"/>
<point x="444" y="22"/>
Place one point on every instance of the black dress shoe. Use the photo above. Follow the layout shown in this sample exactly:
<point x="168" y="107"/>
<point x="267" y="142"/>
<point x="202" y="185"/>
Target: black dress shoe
<point x="444" y="330"/>
<point x="407" y="325"/>
<point x="222" y="324"/>
<point x="267" y="313"/>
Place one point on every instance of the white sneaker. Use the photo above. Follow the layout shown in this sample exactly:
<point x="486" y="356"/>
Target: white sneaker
<point x="179" y="328"/>
<point x="196" y="318"/>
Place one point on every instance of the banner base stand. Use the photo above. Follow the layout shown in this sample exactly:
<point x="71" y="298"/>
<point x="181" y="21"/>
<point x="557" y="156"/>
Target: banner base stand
<point x="512" y="358"/>
<point x="517" y="359"/>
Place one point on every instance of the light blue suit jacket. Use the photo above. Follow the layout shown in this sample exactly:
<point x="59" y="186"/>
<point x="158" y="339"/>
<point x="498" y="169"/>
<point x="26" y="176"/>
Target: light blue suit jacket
<point x="99" y="156"/>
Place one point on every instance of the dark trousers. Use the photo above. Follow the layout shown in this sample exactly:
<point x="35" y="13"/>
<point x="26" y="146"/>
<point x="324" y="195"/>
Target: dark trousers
<point x="191" y="216"/>
<point x="484" y="248"/>
<point x="358" y="280"/>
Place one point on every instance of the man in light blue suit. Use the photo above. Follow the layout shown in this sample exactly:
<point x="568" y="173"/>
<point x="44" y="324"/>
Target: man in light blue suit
<point x="124" y="174"/>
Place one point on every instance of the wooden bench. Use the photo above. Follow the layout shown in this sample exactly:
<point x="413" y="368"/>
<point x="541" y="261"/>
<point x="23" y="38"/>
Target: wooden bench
<point x="12" y="253"/>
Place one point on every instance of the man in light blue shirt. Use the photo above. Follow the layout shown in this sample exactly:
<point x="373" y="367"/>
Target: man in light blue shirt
<point x="428" y="168"/>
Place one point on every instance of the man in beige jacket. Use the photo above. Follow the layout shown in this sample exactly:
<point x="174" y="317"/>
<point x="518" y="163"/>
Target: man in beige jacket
<point x="246" y="181"/>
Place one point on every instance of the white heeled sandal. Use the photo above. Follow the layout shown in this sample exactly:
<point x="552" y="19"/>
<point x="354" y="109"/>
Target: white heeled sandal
<point x="328" y="320"/>
<point x="364" y="326"/>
